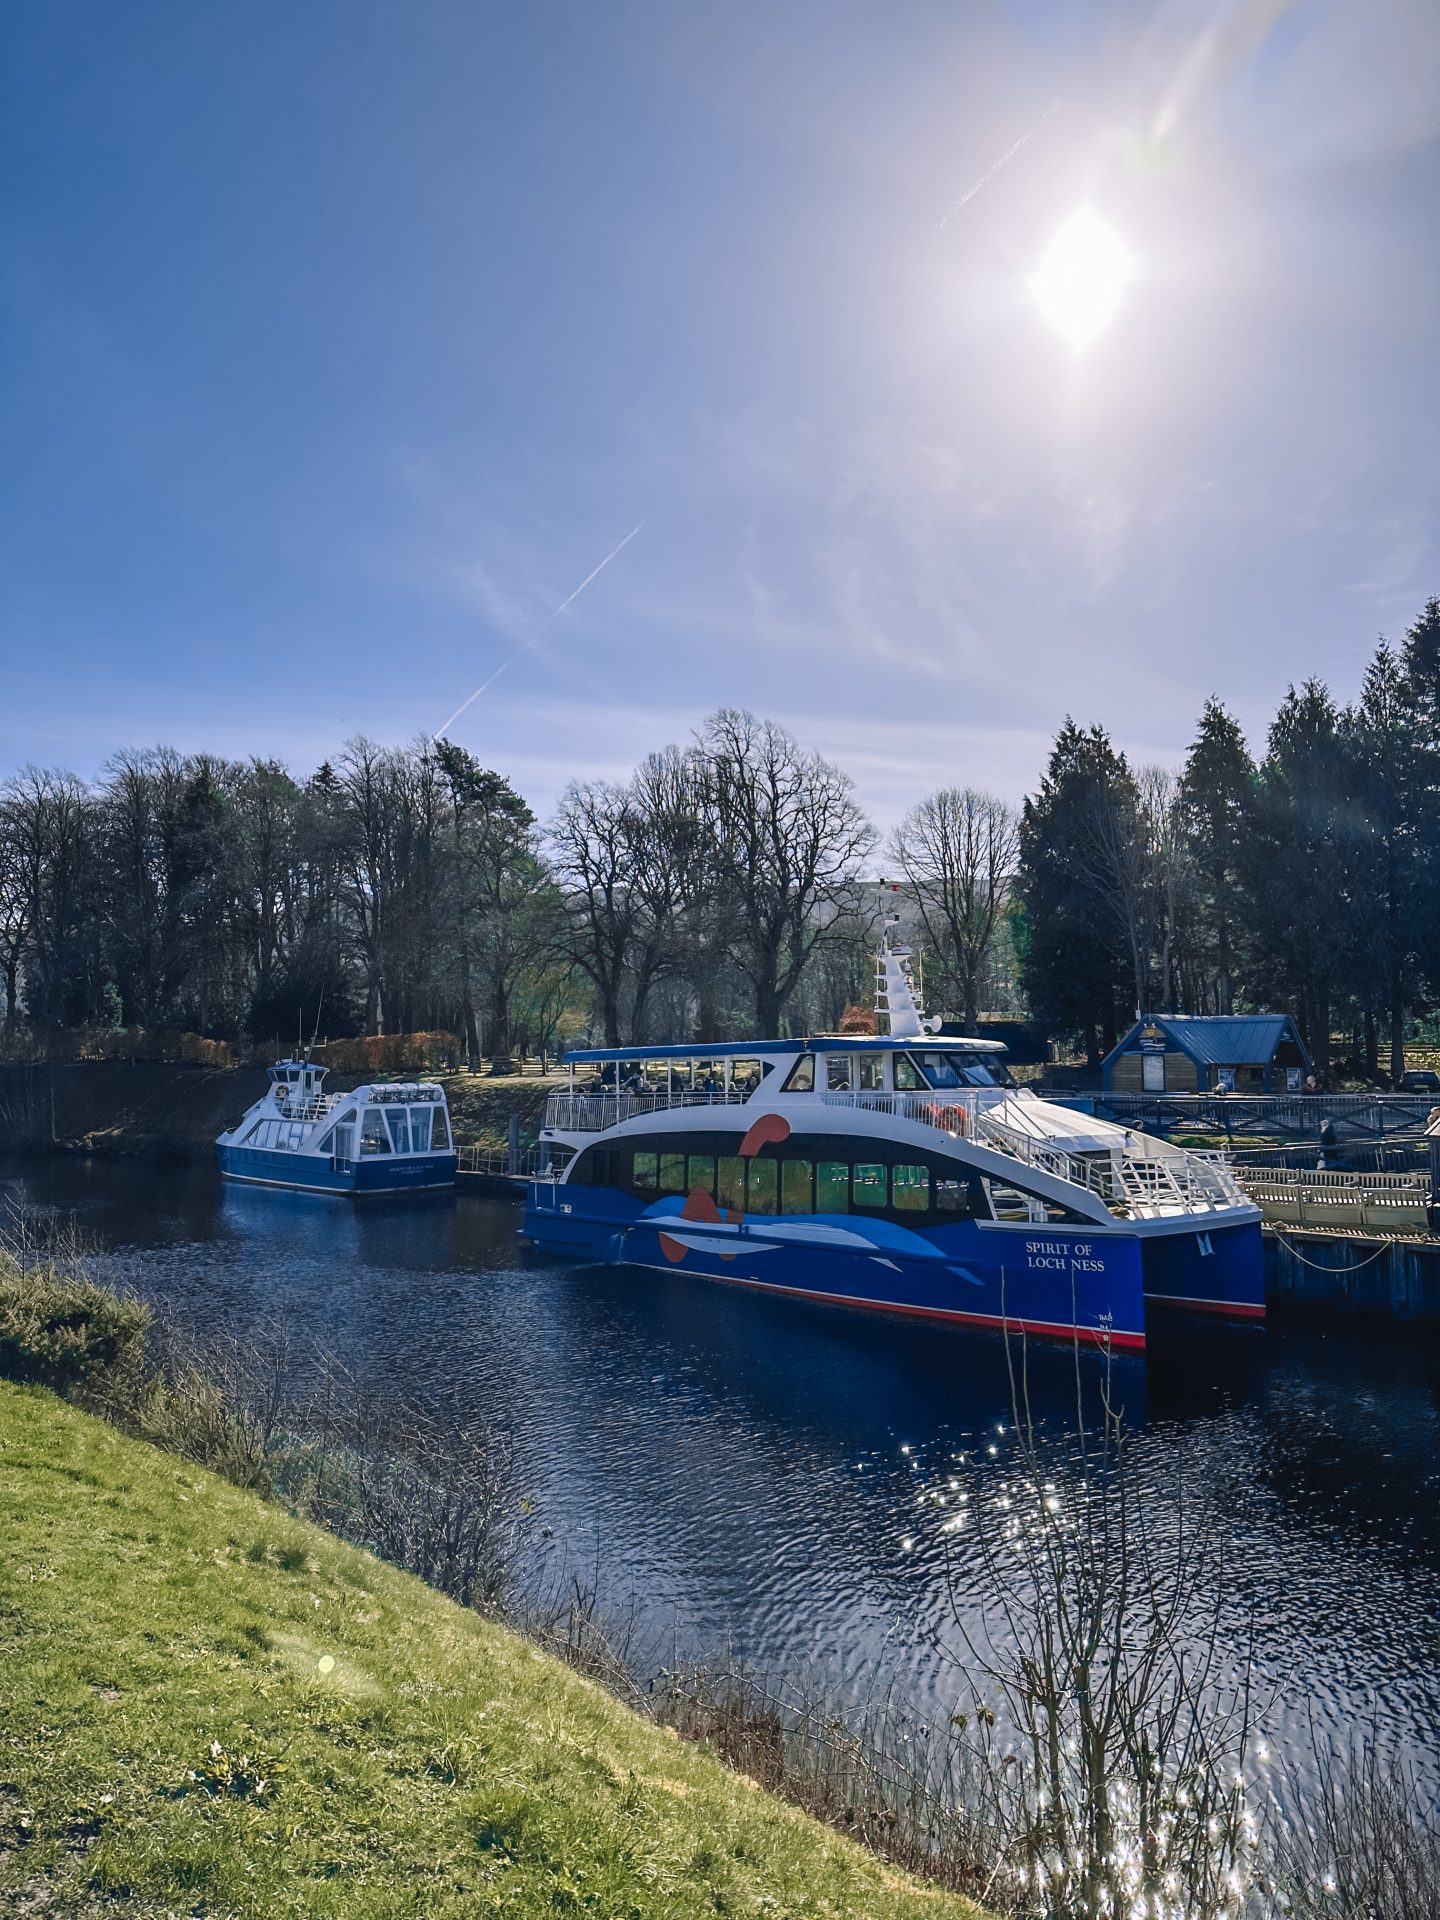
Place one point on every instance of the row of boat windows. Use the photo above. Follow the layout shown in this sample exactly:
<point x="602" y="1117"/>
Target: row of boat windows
<point x="912" y="1073"/>
<point x="767" y="1186"/>
<point x="410" y="1130"/>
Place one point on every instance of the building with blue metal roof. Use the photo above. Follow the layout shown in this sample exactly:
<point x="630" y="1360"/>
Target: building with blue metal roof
<point x="1205" y="1053"/>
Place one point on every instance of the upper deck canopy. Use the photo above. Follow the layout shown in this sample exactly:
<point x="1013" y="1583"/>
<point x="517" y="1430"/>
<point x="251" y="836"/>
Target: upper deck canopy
<point x="768" y="1049"/>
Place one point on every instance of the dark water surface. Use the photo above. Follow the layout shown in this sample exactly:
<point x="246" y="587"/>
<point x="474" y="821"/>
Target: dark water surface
<point x="738" y="1466"/>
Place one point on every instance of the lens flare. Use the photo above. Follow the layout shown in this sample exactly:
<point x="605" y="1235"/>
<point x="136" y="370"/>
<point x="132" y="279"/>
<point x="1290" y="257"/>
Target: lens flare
<point x="1081" y="279"/>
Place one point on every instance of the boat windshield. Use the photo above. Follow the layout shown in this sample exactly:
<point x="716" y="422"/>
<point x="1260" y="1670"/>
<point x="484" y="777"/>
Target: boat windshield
<point x="945" y="1070"/>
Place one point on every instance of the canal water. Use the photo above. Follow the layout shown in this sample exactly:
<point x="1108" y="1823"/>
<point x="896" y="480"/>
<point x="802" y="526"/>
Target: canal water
<point x="744" y="1470"/>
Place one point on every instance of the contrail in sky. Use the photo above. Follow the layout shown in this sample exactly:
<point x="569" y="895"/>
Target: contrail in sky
<point x="446" y="726"/>
<point x="990" y="173"/>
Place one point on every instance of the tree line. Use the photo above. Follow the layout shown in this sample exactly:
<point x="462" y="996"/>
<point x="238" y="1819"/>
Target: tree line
<point x="728" y="887"/>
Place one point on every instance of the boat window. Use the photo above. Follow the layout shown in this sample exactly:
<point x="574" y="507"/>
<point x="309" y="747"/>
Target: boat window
<point x="745" y="1076"/>
<point x="795" y="1186"/>
<point x="672" y="1173"/>
<point x="731" y="1190"/>
<point x="373" y="1137"/>
<point x="838" y="1072"/>
<point x="709" y="1076"/>
<point x="910" y="1189"/>
<point x="907" y="1079"/>
<point x="439" y="1133"/>
<point x="802" y="1075"/>
<point x="702" y="1173"/>
<point x="955" y="1196"/>
<point x="937" y="1070"/>
<point x="400" y="1130"/>
<point x="420" y="1129"/>
<point x="326" y="1142"/>
<point x="760" y="1184"/>
<point x="872" y="1072"/>
<point x="832" y="1186"/>
<point x="869" y="1185"/>
<point x="647" y="1172"/>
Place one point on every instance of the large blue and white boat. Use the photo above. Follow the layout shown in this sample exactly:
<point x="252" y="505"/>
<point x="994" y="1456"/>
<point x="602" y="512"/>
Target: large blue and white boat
<point x="386" y="1138"/>
<point x="901" y="1170"/>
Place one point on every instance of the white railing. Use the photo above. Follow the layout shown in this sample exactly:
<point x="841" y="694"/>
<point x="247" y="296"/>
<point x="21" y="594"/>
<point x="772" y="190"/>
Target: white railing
<point x="315" y="1109"/>
<point x="1310" y="1197"/>
<point x="594" y="1112"/>
<point x="1129" y="1180"/>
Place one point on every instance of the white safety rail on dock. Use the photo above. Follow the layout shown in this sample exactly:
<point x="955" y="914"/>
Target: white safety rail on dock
<point x="1382" y="1203"/>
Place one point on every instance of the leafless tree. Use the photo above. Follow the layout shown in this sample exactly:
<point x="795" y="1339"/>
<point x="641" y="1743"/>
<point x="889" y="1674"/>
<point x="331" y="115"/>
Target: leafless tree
<point x="958" y="850"/>
<point x="789" y="835"/>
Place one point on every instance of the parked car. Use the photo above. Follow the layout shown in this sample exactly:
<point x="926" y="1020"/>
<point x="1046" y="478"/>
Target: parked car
<point x="1421" y="1080"/>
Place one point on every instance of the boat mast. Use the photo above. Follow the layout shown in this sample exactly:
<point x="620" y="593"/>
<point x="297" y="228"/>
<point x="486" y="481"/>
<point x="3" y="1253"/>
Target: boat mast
<point x="897" y="992"/>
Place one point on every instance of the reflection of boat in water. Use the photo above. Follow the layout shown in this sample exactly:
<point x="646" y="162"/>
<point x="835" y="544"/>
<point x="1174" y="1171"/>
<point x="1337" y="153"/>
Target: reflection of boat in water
<point x="375" y="1139"/>
<point x="902" y="1170"/>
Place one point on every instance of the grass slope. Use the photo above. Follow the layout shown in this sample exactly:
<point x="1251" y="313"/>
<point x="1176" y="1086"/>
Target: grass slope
<point x="165" y="1638"/>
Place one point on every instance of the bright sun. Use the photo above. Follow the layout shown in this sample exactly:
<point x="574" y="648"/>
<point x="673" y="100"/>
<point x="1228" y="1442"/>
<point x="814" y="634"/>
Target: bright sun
<point x="1082" y="278"/>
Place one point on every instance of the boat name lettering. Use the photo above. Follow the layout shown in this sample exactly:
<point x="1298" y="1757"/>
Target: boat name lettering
<point x="1063" y="1256"/>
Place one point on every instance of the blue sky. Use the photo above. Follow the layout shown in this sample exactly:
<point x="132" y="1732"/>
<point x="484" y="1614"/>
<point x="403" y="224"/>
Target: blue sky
<point x="340" y="342"/>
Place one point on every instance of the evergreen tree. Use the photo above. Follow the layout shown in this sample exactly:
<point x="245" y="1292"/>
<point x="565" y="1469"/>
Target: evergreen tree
<point x="1217" y="798"/>
<point x="1075" y="970"/>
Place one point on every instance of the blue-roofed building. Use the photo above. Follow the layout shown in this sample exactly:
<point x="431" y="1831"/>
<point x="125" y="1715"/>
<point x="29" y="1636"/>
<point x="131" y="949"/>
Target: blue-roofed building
<point x="1203" y="1053"/>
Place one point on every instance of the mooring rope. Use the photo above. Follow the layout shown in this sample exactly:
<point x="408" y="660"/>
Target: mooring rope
<point x="1320" y="1266"/>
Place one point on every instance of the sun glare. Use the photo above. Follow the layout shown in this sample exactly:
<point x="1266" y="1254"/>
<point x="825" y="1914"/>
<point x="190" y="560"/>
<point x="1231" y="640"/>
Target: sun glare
<point x="1082" y="278"/>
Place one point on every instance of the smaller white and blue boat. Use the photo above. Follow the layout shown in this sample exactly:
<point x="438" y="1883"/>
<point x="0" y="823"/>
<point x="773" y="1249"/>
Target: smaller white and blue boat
<point x="375" y="1139"/>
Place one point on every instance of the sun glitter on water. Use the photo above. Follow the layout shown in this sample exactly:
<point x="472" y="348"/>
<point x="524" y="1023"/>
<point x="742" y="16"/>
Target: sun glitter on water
<point x="1082" y="278"/>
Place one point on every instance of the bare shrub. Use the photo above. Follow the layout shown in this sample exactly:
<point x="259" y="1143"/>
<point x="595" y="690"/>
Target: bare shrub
<point x="1368" y="1847"/>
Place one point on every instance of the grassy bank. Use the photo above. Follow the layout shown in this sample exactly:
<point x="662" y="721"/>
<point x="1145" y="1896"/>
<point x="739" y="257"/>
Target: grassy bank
<point x="168" y="1642"/>
<point x="175" y="1112"/>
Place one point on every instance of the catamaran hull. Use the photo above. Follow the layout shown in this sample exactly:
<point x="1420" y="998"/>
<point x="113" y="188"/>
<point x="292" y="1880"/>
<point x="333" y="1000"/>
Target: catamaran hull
<point x="317" y="1173"/>
<point x="1220" y="1270"/>
<point x="1051" y="1282"/>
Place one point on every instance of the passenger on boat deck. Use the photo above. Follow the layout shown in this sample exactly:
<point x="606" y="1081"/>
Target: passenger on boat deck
<point x="710" y="1084"/>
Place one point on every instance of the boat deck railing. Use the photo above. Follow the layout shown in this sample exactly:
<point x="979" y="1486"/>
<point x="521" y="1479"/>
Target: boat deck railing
<point x="313" y="1109"/>
<point x="594" y="1112"/>
<point x="1130" y="1181"/>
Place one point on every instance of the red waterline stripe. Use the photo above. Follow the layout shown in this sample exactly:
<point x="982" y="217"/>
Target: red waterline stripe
<point x="1226" y="1309"/>
<point x="1045" y="1329"/>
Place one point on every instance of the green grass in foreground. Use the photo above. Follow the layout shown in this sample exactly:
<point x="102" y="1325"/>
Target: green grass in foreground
<point x="166" y="1640"/>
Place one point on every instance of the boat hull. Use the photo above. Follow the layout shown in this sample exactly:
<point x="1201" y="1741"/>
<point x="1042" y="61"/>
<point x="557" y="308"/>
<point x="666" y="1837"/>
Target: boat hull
<point x="1053" y="1282"/>
<point x="318" y="1173"/>
<point x="1220" y="1270"/>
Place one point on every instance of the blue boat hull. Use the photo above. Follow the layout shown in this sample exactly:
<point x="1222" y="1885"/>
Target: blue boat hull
<point x="317" y="1173"/>
<point x="1061" y="1282"/>
<point x="1220" y="1270"/>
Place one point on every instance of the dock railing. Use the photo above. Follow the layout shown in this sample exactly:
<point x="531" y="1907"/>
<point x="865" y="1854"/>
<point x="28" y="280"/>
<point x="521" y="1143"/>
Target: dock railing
<point x="1239" y="1116"/>
<point x="1310" y="1197"/>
